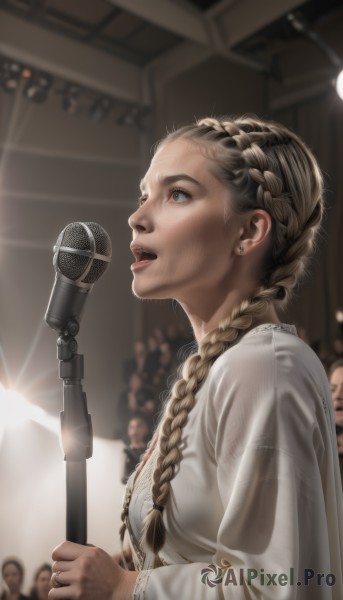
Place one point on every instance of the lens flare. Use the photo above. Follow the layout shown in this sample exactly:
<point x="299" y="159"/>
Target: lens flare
<point x="339" y="85"/>
<point x="15" y="411"/>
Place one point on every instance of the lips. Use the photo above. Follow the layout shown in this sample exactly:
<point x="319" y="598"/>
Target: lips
<point x="142" y="253"/>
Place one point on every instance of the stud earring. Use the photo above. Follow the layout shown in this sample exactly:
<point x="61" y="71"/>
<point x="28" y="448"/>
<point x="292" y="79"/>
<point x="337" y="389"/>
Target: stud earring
<point x="241" y="249"/>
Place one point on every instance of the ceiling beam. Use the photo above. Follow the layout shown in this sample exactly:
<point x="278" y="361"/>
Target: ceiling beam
<point x="176" y="17"/>
<point x="68" y="60"/>
<point x="244" y="18"/>
<point x="227" y="24"/>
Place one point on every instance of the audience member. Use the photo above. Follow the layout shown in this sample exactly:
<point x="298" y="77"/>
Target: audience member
<point x="336" y="384"/>
<point x="127" y="403"/>
<point x="338" y="345"/>
<point x="137" y="398"/>
<point x="138" y="432"/>
<point x="41" y="583"/>
<point x="176" y="339"/>
<point x="166" y="366"/>
<point x="12" y="572"/>
<point x="136" y="364"/>
<point x="152" y="359"/>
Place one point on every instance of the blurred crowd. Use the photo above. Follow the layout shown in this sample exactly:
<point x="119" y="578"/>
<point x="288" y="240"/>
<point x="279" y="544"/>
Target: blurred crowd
<point x="150" y="372"/>
<point x="147" y="376"/>
<point x="12" y="571"/>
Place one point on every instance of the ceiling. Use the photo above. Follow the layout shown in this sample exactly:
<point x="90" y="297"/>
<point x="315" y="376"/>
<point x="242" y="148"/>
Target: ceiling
<point x="67" y="38"/>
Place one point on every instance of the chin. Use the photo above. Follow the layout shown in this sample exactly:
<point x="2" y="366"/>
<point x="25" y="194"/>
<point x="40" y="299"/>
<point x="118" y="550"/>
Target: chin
<point x="148" y="294"/>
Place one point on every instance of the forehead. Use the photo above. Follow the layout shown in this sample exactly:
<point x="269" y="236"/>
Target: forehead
<point x="44" y="573"/>
<point x="177" y="156"/>
<point x="10" y="568"/>
<point x="337" y="375"/>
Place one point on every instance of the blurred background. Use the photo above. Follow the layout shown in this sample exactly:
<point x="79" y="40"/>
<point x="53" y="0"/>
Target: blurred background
<point x="86" y="88"/>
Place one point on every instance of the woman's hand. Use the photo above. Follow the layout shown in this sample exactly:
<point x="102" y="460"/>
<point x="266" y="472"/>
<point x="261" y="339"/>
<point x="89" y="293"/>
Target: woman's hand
<point x="88" y="573"/>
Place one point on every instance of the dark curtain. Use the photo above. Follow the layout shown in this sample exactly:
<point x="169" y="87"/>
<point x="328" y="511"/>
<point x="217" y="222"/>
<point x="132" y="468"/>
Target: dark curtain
<point x="320" y="122"/>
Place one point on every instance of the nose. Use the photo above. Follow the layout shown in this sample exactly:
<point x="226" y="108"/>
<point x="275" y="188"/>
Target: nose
<point x="337" y="394"/>
<point x="140" y="221"/>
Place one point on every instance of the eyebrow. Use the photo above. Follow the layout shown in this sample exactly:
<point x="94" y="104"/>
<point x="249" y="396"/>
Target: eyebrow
<point x="172" y="179"/>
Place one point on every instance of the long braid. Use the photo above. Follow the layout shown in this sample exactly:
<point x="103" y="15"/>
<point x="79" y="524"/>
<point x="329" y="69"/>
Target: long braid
<point x="269" y="167"/>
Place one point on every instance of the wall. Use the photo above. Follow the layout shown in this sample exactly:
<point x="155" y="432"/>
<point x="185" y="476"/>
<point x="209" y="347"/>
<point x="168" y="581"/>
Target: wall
<point x="56" y="169"/>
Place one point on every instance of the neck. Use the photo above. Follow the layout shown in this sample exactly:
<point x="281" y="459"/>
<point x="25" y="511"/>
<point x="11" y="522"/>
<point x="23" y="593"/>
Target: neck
<point x="208" y="316"/>
<point x="136" y="445"/>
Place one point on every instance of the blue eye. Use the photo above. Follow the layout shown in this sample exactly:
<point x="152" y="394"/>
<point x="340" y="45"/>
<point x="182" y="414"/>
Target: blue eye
<point x="180" y="195"/>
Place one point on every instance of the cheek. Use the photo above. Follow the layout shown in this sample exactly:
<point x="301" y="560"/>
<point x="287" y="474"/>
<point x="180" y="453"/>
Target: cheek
<point x="197" y="234"/>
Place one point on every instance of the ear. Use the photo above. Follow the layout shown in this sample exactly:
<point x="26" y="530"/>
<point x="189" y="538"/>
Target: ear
<point x="254" y="232"/>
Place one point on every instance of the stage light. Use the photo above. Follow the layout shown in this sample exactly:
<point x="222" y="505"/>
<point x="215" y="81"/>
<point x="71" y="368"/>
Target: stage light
<point x="26" y="73"/>
<point x="133" y="116"/>
<point x="16" y="411"/>
<point x="302" y="27"/>
<point x="339" y="84"/>
<point x="37" y="87"/>
<point x="100" y="109"/>
<point x="10" y="76"/>
<point x="70" y="98"/>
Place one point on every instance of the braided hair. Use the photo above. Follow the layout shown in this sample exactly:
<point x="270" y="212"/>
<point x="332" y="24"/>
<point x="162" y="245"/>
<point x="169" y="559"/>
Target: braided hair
<point x="266" y="166"/>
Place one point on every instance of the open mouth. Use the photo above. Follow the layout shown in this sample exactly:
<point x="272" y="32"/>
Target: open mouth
<point x="145" y="256"/>
<point x="142" y="254"/>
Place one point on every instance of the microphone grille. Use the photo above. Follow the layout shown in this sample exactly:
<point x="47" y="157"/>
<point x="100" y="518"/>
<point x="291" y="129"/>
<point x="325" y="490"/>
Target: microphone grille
<point x="77" y="266"/>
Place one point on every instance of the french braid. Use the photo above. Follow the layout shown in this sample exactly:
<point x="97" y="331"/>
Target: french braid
<point x="266" y="166"/>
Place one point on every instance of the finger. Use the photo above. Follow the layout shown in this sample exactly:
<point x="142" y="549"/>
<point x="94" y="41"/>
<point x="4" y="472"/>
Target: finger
<point x="67" y="551"/>
<point x="62" y="565"/>
<point x="55" y="581"/>
<point x="61" y="593"/>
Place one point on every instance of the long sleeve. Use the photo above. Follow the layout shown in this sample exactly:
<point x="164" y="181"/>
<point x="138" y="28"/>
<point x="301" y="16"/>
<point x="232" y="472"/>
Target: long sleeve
<point x="271" y="443"/>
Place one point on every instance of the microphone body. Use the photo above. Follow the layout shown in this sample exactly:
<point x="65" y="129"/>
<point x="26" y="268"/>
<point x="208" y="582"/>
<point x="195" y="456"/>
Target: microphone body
<point x="81" y="255"/>
<point x="66" y="302"/>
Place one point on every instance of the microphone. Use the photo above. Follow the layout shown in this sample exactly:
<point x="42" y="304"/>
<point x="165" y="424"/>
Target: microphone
<point x="82" y="253"/>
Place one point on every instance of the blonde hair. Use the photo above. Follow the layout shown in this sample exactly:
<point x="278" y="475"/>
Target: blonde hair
<point x="266" y="166"/>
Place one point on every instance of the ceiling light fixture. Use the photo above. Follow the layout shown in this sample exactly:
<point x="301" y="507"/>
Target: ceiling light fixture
<point x="70" y="98"/>
<point x="133" y="116"/>
<point x="100" y="108"/>
<point x="299" y="25"/>
<point x="37" y="87"/>
<point x="10" y="73"/>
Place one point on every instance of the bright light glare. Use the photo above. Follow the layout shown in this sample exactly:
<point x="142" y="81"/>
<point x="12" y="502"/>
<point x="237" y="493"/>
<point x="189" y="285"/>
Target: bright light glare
<point x="339" y="84"/>
<point x="15" y="410"/>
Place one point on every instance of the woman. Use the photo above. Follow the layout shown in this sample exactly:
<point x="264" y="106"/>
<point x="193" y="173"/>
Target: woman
<point x="13" y="575"/>
<point x="239" y="488"/>
<point x="137" y="432"/>
<point x="41" y="583"/>
<point x="336" y="385"/>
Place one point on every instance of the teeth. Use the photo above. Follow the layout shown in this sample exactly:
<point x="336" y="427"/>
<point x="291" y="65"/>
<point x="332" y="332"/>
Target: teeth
<point x="141" y="254"/>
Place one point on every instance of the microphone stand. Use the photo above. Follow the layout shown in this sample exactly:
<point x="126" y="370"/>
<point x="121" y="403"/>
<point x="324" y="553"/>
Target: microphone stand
<point x="76" y="432"/>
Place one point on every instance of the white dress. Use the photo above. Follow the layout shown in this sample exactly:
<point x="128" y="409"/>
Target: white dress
<point x="256" y="508"/>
